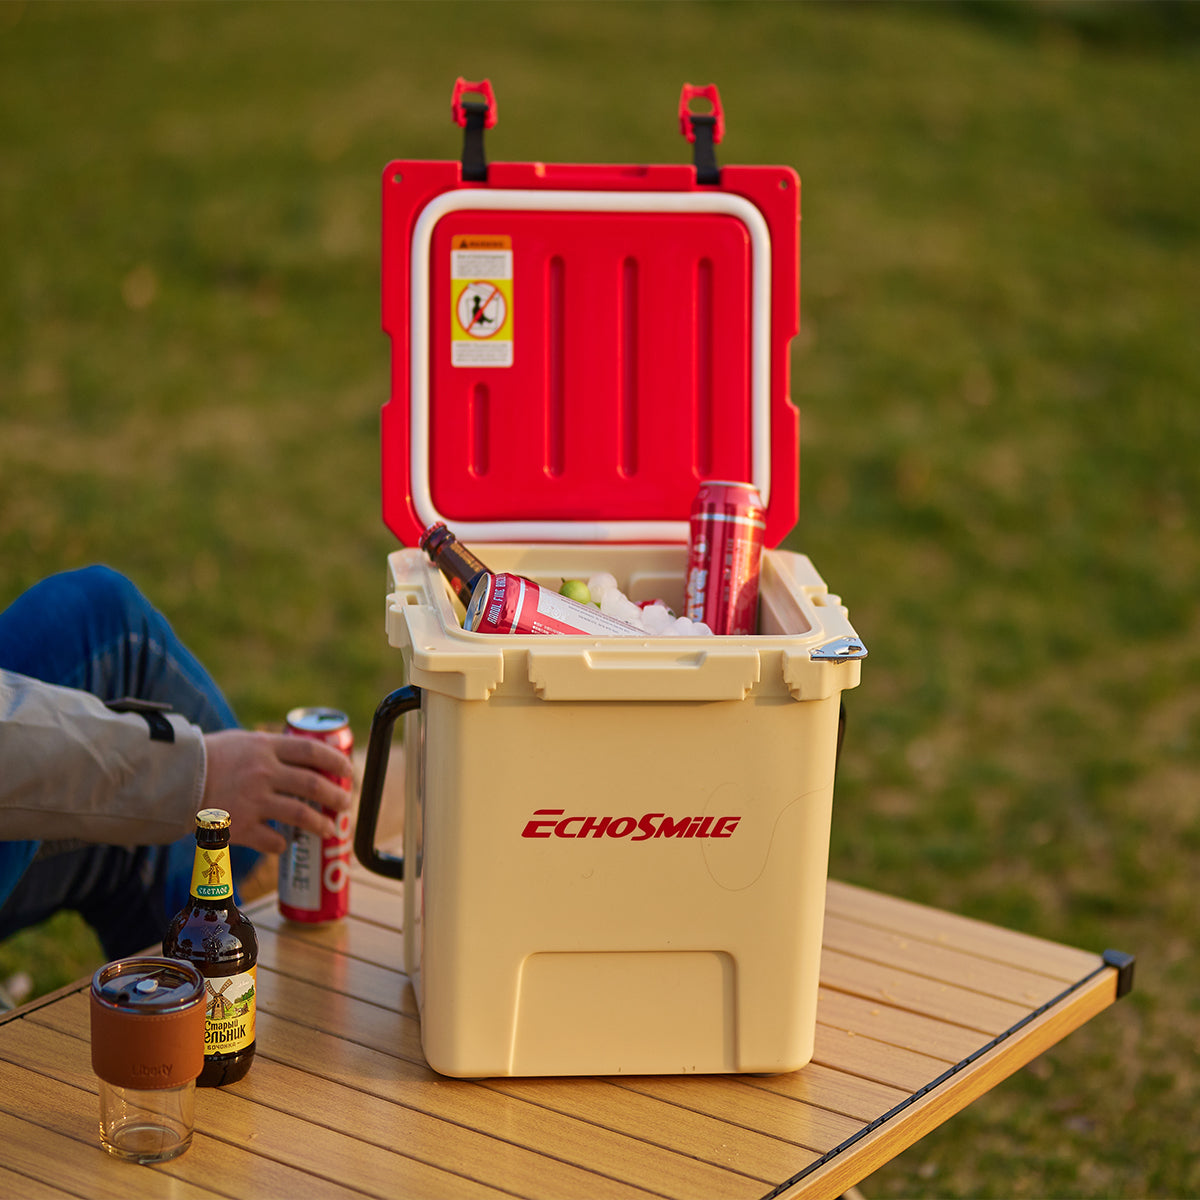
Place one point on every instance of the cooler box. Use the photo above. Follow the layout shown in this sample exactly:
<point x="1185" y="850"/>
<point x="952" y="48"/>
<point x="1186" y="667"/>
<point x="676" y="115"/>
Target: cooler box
<point x="615" y="849"/>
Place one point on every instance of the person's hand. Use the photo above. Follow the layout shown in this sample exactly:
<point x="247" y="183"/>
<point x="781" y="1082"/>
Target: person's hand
<point x="261" y="777"/>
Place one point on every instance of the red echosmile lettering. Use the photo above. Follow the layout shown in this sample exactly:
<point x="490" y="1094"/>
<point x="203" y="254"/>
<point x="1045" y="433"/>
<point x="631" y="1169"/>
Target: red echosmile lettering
<point x="551" y="822"/>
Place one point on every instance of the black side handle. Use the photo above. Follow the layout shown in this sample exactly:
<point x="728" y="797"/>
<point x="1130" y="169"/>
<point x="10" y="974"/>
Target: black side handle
<point x="391" y="707"/>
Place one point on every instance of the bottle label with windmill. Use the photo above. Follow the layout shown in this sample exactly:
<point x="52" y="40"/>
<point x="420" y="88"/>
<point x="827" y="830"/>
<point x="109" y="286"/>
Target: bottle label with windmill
<point x="229" y="1009"/>
<point x="212" y="874"/>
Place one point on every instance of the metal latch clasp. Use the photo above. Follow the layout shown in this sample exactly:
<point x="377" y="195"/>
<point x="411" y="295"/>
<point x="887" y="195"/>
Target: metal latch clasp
<point x="843" y="649"/>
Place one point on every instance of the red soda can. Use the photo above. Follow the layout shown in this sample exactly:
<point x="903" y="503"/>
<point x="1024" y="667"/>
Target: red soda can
<point x="314" y="872"/>
<point x="507" y="603"/>
<point x="725" y="541"/>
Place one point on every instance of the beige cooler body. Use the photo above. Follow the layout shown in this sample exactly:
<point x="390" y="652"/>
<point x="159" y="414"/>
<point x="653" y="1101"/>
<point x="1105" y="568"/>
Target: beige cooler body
<point x="683" y="933"/>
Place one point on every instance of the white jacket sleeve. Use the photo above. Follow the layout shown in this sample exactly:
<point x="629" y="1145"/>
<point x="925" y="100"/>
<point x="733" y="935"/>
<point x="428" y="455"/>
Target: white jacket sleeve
<point x="71" y="768"/>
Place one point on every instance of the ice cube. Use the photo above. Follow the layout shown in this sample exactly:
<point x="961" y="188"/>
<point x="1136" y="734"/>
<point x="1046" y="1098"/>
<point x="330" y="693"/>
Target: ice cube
<point x="614" y="604"/>
<point x="656" y="619"/>
<point x="600" y="583"/>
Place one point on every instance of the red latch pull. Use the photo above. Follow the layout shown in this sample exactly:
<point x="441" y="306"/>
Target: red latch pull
<point x="703" y="130"/>
<point x="714" y="119"/>
<point x="474" y="116"/>
<point x="460" y="109"/>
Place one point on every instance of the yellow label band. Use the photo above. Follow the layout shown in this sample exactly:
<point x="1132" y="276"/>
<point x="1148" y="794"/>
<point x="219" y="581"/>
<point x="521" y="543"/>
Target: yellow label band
<point x="212" y="874"/>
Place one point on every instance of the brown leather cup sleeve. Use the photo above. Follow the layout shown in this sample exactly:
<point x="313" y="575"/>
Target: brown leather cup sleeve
<point x="147" y="1050"/>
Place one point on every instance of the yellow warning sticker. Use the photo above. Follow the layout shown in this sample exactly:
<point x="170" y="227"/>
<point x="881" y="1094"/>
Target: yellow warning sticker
<point x="481" y="291"/>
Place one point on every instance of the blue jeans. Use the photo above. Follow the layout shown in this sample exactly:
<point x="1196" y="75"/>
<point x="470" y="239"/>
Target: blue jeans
<point x="92" y="629"/>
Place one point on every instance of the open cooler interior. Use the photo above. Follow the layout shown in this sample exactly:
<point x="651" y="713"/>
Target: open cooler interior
<point x="789" y="587"/>
<point x="805" y="646"/>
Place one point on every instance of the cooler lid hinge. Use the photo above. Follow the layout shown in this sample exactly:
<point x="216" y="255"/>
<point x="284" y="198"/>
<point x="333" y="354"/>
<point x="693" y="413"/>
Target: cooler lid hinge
<point x="703" y="130"/>
<point x="474" y="116"/>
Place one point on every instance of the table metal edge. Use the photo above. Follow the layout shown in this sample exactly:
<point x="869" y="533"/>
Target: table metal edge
<point x="854" y="1159"/>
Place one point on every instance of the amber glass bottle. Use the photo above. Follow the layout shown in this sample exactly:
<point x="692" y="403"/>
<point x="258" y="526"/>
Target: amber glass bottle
<point x="211" y="932"/>
<point x="460" y="567"/>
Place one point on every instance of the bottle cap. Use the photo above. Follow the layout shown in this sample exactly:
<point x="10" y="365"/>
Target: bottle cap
<point x="431" y="540"/>
<point x="212" y="818"/>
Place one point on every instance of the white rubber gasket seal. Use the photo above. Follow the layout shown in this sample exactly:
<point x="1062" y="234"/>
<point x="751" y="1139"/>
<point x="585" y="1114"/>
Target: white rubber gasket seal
<point x="583" y="201"/>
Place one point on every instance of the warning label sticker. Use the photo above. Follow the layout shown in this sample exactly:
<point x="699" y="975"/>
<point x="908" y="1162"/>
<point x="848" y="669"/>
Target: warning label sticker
<point x="481" y="290"/>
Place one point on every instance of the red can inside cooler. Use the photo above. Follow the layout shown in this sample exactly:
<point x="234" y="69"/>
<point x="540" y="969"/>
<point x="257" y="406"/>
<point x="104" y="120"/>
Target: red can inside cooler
<point x="507" y="603"/>
<point x="725" y="541"/>
<point x="314" y="872"/>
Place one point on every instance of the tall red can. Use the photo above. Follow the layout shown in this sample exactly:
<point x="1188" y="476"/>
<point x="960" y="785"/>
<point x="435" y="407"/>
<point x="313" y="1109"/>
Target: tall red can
<point x="314" y="872"/>
<point x="725" y="541"/>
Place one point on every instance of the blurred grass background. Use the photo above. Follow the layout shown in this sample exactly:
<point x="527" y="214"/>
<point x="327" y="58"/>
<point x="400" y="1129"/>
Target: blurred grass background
<point x="997" y="375"/>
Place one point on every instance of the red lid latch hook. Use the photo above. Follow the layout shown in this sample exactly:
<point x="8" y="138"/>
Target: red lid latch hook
<point x="703" y="130"/>
<point x="474" y="116"/>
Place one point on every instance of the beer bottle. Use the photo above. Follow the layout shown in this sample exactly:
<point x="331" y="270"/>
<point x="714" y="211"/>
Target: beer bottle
<point x="211" y="932"/>
<point x="460" y="567"/>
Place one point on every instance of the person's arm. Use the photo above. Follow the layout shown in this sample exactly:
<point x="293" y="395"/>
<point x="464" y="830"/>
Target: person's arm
<point x="72" y="768"/>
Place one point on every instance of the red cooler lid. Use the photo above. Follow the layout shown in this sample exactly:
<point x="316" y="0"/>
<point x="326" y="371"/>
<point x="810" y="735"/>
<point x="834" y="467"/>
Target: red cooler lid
<point x="575" y="347"/>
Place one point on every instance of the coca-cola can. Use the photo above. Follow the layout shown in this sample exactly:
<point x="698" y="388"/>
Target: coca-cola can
<point x="505" y="603"/>
<point x="314" y="871"/>
<point x="725" y="541"/>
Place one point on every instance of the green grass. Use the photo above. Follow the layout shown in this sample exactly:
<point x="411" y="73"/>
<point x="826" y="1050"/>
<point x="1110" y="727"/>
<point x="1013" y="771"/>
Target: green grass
<point x="997" y="374"/>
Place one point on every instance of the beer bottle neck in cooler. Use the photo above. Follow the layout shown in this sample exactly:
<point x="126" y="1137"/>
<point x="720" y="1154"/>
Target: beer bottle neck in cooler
<point x="460" y="567"/>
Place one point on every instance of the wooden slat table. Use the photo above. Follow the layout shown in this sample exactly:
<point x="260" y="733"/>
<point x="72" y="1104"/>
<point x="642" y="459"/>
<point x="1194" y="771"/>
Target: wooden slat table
<point x="920" y="1012"/>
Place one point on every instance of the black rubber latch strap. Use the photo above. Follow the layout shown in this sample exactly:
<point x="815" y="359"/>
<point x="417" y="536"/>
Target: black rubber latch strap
<point x="704" y="148"/>
<point x="474" y="161"/>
